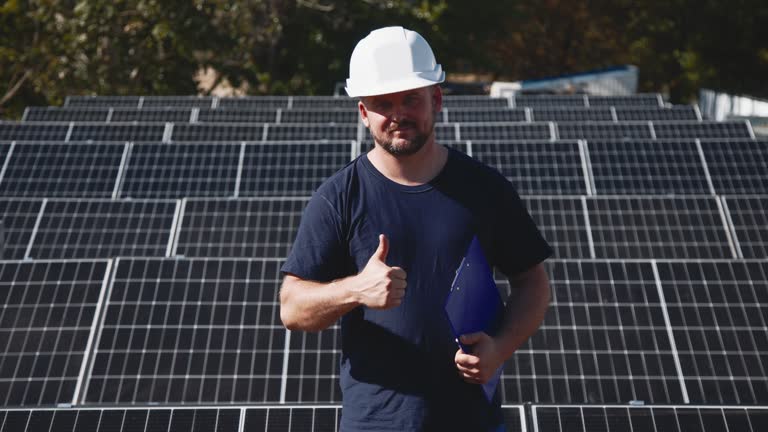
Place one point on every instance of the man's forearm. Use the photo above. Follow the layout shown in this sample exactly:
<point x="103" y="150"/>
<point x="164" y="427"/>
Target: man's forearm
<point x="524" y="314"/>
<point x="314" y="306"/>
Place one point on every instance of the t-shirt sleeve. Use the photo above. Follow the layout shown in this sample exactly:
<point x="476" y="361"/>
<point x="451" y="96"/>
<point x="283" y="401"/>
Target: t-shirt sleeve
<point x="319" y="252"/>
<point x="519" y="245"/>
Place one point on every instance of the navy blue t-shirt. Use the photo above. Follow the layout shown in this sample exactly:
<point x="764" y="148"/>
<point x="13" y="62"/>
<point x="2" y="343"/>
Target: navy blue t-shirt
<point x="397" y="368"/>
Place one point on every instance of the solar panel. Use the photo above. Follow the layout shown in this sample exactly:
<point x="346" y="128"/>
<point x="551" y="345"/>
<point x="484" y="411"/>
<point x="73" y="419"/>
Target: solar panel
<point x="176" y="419"/>
<point x="603" y="340"/>
<point x="460" y="102"/>
<point x="562" y="223"/>
<point x="13" y="131"/>
<point x="749" y="215"/>
<point x="45" y="323"/>
<point x="190" y="331"/>
<point x="311" y="132"/>
<point x="648" y="99"/>
<point x="549" y="101"/>
<point x="478" y="115"/>
<point x="290" y="168"/>
<point x="326" y="102"/>
<point x="536" y="168"/>
<point x="505" y="131"/>
<point x="647" y="167"/>
<point x="181" y="170"/>
<point x="702" y="129"/>
<point x="739" y="166"/>
<point x="56" y="114"/>
<point x="263" y="228"/>
<point x="682" y="112"/>
<point x="117" y="132"/>
<point x="103" y="229"/>
<point x="237" y="116"/>
<point x="312" y="375"/>
<point x="255" y="102"/>
<point x="572" y="114"/>
<point x="320" y="115"/>
<point x="18" y="217"/>
<point x="62" y="170"/>
<point x="604" y="131"/>
<point x="173" y="115"/>
<point x="658" y="227"/>
<point x="717" y="311"/>
<point x="303" y="419"/>
<point x="102" y="101"/>
<point x="177" y="101"/>
<point x="217" y="132"/>
<point x="649" y="418"/>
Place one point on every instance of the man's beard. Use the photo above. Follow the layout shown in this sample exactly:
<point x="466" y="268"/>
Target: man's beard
<point x="412" y="145"/>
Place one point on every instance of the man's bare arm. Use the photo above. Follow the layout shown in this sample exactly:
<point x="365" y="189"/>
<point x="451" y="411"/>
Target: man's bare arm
<point x="314" y="306"/>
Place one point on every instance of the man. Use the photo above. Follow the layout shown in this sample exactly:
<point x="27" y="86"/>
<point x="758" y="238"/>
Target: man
<point x="379" y="244"/>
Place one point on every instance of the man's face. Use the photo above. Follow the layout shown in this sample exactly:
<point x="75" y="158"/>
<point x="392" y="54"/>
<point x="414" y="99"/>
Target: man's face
<point x="401" y="123"/>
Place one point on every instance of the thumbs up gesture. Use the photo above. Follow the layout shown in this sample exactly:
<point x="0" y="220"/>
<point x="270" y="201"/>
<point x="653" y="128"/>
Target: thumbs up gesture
<point x="379" y="285"/>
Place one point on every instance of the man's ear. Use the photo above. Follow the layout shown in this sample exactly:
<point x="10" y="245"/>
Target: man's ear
<point x="363" y="112"/>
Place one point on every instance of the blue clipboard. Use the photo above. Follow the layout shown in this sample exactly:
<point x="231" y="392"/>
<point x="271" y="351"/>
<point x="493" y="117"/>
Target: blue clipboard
<point x="474" y="304"/>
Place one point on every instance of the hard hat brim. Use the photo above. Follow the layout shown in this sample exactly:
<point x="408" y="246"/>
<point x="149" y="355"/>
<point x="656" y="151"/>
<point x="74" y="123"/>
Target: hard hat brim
<point x="409" y="83"/>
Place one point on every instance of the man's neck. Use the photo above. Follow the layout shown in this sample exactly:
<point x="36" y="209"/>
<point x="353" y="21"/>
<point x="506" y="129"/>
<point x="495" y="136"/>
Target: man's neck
<point x="411" y="170"/>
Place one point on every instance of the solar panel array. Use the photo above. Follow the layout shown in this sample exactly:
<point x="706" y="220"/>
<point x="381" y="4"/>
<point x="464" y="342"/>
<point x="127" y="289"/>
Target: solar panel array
<point x="143" y="238"/>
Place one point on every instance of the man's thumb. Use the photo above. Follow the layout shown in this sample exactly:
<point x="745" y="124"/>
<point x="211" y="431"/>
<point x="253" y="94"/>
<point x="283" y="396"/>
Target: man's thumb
<point x="383" y="250"/>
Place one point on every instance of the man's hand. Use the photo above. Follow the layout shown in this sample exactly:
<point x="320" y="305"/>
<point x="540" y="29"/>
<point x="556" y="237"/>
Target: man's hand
<point x="380" y="286"/>
<point x="479" y="366"/>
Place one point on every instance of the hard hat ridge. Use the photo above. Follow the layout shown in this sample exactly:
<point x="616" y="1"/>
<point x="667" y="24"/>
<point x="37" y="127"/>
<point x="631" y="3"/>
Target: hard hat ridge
<point x="389" y="60"/>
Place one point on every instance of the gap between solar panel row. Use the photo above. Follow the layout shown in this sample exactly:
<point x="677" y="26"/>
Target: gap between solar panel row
<point x="576" y="227"/>
<point x="351" y="115"/>
<point x="155" y="170"/>
<point x="164" y="331"/>
<point x="168" y="132"/>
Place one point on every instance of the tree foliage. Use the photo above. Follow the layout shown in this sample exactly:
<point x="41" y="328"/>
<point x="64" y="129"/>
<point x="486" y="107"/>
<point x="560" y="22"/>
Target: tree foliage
<point x="53" y="48"/>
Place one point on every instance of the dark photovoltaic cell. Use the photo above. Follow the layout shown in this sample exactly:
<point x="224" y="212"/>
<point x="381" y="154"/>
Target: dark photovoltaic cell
<point x="737" y="166"/>
<point x="318" y="115"/>
<point x="46" y="318"/>
<point x="103" y="229"/>
<point x="263" y="228"/>
<point x="549" y="101"/>
<point x="311" y="132"/>
<point x="324" y="102"/>
<point x="190" y="331"/>
<point x="749" y="215"/>
<point x="12" y="131"/>
<point x="123" y="420"/>
<point x="648" y="99"/>
<point x="604" y="131"/>
<point x="536" y="168"/>
<point x="62" y="170"/>
<point x="18" y="221"/>
<point x="257" y="102"/>
<point x="500" y="131"/>
<point x="649" y="418"/>
<point x="313" y="367"/>
<point x="290" y="168"/>
<point x="681" y="112"/>
<point x="561" y="222"/>
<point x="459" y="101"/>
<point x="173" y="115"/>
<point x="289" y="419"/>
<point x="701" y="129"/>
<point x="117" y="132"/>
<point x="603" y="340"/>
<point x="718" y="312"/>
<point x="572" y="114"/>
<point x="237" y="116"/>
<point x="56" y="114"/>
<point x="647" y="167"/>
<point x="480" y="115"/>
<point x="177" y="101"/>
<point x="658" y="227"/>
<point x="102" y="101"/>
<point x="181" y="170"/>
<point x="217" y="132"/>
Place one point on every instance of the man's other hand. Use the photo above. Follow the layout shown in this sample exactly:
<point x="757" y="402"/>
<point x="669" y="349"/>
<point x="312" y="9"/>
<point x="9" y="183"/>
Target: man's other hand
<point x="479" y="366"/>
<point x="380" y="286"/>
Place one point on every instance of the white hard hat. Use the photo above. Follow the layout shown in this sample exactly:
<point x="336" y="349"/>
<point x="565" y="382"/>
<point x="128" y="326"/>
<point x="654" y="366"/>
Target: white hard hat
<point x="390" y="60"/>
